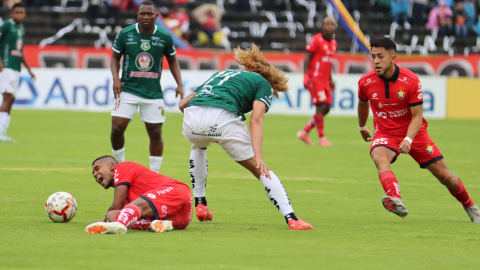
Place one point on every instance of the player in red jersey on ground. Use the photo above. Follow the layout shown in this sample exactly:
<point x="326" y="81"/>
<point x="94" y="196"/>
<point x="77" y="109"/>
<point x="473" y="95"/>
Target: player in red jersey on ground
<point x="396" y="99"/>
<point x="317" y="68"/>
<point x="143" y="199"/>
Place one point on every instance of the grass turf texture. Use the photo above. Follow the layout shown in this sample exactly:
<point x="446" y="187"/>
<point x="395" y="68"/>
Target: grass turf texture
<point x="335" y="189"/>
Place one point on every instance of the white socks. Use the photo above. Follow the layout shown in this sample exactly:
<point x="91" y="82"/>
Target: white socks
<point x="4" y="122"/>
<point x="119" y="154"/>
<point x="276" y="193"/>
<point x="155" y="163"/>
<point x="198" y="171"/>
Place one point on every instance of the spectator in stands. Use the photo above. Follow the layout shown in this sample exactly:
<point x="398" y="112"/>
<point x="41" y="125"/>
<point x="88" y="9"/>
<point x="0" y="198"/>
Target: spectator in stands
<point x="178" y="21"/>
<point x="210" y="25"/>
<point x="208" y="16"/>
<point x="440" y="18"/>
<point x="400" y="9"/>
<point x="469" y="8"/>
<point x="418" y="12"/>
<point x="460" y="18"/>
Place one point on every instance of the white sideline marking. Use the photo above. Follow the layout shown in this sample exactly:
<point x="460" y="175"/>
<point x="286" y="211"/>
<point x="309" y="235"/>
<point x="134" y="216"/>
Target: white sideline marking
<point x="43" y="169"/>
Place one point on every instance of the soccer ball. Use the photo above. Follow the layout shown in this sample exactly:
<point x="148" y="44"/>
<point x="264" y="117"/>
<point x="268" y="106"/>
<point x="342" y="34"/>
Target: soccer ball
<point x="61" y="207"/>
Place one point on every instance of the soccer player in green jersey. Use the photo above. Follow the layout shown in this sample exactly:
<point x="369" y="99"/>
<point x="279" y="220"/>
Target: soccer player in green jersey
<point x="11" y="54"/>
<point x="214" y="113"/>
<point x="142" y="46"/>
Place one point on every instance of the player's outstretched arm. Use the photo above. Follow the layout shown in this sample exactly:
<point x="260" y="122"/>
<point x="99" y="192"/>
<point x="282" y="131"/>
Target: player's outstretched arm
<point x="413" y="128"/>
<point x="115" y="68"/>
<point x="363" y="111"/>
<point x="24" y="61"/>
<point x="256" y="134"/>
<point x="175" y="69"/>
<point x="184" y="102"/>
<point x="119" y="198"/>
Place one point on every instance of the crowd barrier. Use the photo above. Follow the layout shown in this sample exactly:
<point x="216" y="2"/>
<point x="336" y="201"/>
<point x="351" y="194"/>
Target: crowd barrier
<point x="91" y="90"/>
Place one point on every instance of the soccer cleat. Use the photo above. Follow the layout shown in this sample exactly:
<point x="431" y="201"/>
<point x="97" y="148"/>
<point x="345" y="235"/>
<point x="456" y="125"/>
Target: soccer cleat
<point x="5" y="138"/>
<point x="203" y="213"/>
<point x="106" y="228"/>
<point x="161" y="226"/>
<point x="395" y="206"/>
<point x="324" y="142"/>
<point x="474" y="213"/>
<point x="299" y="225"/>
<point x="303" y="135"/>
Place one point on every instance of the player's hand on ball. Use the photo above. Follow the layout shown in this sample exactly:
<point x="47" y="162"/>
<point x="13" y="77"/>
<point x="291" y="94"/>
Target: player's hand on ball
<point x="264" y="170"/>
<point x="179" y="91"/>
<point x="404" y="147"/>
<point x="366" y="135"/>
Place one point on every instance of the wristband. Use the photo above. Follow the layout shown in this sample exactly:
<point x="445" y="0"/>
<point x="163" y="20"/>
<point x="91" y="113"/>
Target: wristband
<point x="362" y="128"/>
<point x="408" y="139"/>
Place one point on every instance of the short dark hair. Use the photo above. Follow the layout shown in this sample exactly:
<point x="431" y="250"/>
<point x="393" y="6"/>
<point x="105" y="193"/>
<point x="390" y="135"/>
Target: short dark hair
<point x="384" y="42"/>
<point x="148" y="3"/>
<point x="102" y="157"/>
<point x="19" y="4"/>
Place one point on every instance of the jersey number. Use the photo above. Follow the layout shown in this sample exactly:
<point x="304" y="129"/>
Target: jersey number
<point x="380" y="141"/>
<point x="207" y="89"/>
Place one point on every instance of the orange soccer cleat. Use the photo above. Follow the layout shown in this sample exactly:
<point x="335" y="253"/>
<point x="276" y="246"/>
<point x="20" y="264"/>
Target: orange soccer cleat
<point x="303" y="135"/>
<point x="299" y="225"/>
<point x="203" y="213"/>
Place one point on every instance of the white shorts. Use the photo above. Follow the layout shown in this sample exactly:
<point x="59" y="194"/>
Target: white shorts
<point x="205" y="125"/>
<point x="9" y="80"/>
<point x="151" y="110"/>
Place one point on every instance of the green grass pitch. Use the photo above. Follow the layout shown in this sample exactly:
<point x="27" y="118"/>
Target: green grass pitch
<point x="335" y="189"/>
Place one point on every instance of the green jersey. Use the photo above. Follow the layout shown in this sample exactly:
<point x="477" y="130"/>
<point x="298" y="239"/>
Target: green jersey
<point x="234" y="90"/>
<point x="11" y="44"/>
<point x="142" y="60"/>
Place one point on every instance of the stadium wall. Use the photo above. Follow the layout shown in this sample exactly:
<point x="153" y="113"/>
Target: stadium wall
<point x="463" y="98"/>
<point x="91" y="90"/>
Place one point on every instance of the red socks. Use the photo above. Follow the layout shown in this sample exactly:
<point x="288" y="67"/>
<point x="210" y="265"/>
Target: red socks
<point x="319" y="122"/>
<point x="129" y="215"/>
<point x="141" y="225"/>
<point x="460" y="193"/>
<point x="390" y="184"/>
<point x="310" y="125"/>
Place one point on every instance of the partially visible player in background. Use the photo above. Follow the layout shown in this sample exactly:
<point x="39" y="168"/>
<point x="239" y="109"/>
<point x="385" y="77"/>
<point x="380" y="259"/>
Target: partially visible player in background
<point x="396" y="99"/>
<point x="317" y="68"/>
<point x="143" y="199"/>
<point x="12" y="35"/>
<point x="142" y="46"/>
<point x="214" y="113"/>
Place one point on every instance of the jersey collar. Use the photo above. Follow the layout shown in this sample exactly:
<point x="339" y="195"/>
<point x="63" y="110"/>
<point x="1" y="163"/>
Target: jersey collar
<point x="394" y="76"/>
<point x="138" y="30"/>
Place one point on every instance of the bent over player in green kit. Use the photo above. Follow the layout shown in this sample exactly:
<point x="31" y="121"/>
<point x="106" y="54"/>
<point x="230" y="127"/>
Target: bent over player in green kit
<point x="214" y="113"/>
<point x="142" y="46"/>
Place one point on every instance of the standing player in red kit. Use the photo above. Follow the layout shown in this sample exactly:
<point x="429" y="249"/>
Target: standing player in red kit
<point x="396" y="99"/>
<point x="143" y="199"/>
<point x="317" y="68"/>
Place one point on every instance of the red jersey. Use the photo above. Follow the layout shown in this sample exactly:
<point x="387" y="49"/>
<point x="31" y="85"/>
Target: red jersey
<point x="321" y="61"/>
<point x="140" y="179"/>
<point x="391" y="100"/>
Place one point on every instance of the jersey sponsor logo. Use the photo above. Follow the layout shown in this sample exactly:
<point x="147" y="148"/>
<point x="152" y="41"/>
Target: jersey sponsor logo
<point x="163" y="191"/>
<point x="16" y="53"/>
<point x="401" y="94"/>
<point x="115" y="176"/>
<point x="211" y="131"/>
<point x="159" y="44"/>
<point x="380" y="105"/>
<point x="420" y="96"/>
<point x="155" y="38"/>
<point x="131" y="42"/>
<point x="145" y="46"/>
<point x="369" y="81"/>
<point x="382" y="114"/>
<point x="130" y="34"/>
<point x="152" y="196"/>
<point x="404" y="80"/>
<point x="144" y="61"/>
<point x="19" y="43"/>
<point x="398" y="113"/>
<point x="430" y="149"/>
<point x="140" y="74"/>
<point x="374" y="96"/>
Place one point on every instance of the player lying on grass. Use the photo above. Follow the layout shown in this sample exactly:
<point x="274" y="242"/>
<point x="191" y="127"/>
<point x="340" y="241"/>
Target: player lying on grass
<point x="214" y="113"/>
<point x="141" y="195"/>
<point x="396" y="98"/>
